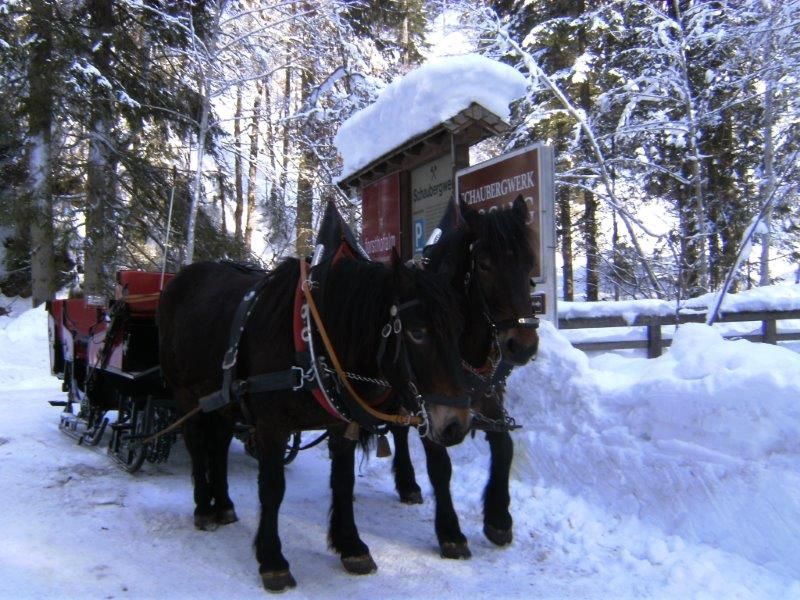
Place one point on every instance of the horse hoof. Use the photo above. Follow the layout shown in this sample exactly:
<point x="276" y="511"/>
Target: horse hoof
<point x="205" y="522"/>
<point x="411" y="497"/>
<point x="278" y="581"/>
<point x="499" y="537"/>
<point x="359" y="565"/>
<point x="455" y="550"/>
<point x="227" y="516"/>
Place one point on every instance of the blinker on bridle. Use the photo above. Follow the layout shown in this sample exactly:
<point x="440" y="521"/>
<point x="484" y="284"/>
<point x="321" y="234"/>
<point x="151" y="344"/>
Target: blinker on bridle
<point x="395" y="327"/>
<point x="526" y="322"/>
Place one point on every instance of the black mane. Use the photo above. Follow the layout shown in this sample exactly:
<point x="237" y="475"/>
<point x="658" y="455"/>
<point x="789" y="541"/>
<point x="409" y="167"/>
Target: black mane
<point x="503" y="231"/>
<point x="369" y="289"/>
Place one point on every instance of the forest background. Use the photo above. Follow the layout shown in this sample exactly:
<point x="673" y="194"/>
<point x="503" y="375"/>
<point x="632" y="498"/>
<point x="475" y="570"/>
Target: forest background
<point x="675" y="126"/>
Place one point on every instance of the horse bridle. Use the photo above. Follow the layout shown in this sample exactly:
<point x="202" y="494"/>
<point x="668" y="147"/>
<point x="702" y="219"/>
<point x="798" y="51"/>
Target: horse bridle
<point x="393" y="327"/>
<point x="523" y="322"/>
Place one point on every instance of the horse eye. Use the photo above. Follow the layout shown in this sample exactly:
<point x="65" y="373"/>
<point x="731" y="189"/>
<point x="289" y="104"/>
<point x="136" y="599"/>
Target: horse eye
<point x="417" y="335"/>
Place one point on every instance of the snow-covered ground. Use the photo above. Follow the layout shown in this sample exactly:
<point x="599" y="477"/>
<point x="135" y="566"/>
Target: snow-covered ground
<point x="677" y="477"/>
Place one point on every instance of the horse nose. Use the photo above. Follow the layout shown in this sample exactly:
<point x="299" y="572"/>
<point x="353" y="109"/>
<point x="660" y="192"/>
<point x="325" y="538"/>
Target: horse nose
<point x="519" y="352"/>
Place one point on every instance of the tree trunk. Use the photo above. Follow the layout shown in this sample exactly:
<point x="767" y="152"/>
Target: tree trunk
<point x="237" y="169"/>
<point x="590" y="242"/>
<point x="40" y="121"/>
<point x="697" y="239"/>
<point x="305" y="189"/>
<point x="102" y="162"/>
<point x="287" y="95"/>
<point x="251" y="174"/>
<point x="204" y="85"/>
<point x="565" y="217"/>
<point x="768" y="185"/>
<point x="223" y="218"/>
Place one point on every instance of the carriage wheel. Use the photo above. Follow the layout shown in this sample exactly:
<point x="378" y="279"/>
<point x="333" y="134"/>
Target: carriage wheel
<point x="130" y="453"/>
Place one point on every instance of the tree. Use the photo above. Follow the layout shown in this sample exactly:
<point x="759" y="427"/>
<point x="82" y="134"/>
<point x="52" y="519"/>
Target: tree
<point x="40" y="115"/>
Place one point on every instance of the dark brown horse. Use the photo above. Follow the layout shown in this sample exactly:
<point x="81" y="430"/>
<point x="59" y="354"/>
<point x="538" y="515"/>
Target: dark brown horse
<point x="395" y="324"/>
<point x="490" y="259"/>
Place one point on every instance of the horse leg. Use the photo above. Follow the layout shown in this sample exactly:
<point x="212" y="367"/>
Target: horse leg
<point x="452" y="543"/>
<point x="343" y="535"/>
<point x="273" y="567"/>
<point x="221" y="435"/>
<point x="404" y="480"/>
<point x="195" y="435"/>
<point x="497" y="521"/>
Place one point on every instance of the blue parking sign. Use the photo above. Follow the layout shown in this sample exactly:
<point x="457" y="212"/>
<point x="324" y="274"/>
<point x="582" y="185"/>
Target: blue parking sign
<point x="419" y="235"/>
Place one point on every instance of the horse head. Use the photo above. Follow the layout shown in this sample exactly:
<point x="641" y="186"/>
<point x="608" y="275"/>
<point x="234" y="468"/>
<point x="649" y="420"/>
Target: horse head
<point x="502" y="262"/>
<point x="402" y="324"/>
<point x="431" y="325"/>
<point x="490" y="257"/>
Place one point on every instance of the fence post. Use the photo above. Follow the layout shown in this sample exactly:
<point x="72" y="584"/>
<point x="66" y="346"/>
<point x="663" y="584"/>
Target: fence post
<point x="769" y="329"/>
<point x="654" y="340"/>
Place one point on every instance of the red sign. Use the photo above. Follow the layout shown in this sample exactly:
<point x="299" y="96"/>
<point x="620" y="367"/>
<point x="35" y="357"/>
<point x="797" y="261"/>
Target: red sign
<point x="381" y="218"/>
<point x="498" y="182"/>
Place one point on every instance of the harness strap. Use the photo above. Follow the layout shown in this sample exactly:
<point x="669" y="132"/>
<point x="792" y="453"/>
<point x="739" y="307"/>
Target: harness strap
<point x="395" y="419"/>
<point x="291" y="379"/>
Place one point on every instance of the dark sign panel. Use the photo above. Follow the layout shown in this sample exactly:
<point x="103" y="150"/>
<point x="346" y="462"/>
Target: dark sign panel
<point x="381" y="218"/>
<point x="498" y="182"/>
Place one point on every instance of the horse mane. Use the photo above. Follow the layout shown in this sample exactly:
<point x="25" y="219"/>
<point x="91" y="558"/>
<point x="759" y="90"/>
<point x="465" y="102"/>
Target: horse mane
<point x="368" y="290"/>
<point x="247" y="267"/>
<point x="497" y="231"/>
<point x="502" y="231"/>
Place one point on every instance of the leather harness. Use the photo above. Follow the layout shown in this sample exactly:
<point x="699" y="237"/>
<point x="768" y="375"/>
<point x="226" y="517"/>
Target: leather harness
<point x="315" y="375"/>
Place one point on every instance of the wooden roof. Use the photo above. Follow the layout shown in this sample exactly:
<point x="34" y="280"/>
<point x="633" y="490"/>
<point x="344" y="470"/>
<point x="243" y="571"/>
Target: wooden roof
<point x="472" y="125"/>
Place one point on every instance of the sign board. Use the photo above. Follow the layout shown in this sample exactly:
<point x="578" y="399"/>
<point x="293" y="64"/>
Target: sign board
<point x="497" y="182"/>
<point x="431" y="190"/>
<point x="382" y="225"/>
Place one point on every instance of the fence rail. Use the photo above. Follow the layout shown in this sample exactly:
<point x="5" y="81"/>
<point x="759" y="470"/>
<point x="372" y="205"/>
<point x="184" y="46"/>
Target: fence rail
<point x="655" y="342"/>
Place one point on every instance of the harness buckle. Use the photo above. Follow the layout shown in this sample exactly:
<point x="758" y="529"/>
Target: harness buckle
<point x="424" y="427"/>
<point x="302" y="377"/>
<point x="230" y="358"/>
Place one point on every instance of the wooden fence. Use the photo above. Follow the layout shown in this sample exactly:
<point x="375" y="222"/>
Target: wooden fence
<point x="655" y="342"/>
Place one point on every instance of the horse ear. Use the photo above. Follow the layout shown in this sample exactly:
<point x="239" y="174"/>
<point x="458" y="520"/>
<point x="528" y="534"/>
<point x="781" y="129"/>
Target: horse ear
<point x="520" y="208"/>
<point x="396" y="262"/>
<point x="463" y="207"/>
<point x="473" y="220"/>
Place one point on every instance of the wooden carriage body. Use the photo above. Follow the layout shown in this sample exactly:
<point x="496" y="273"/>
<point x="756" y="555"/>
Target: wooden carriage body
<point x="106" y="353"/>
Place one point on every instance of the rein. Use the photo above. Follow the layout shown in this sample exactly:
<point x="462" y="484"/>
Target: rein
<point x="394" y="419"/>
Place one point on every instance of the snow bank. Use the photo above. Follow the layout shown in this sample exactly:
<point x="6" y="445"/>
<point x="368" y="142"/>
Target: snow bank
<point x="701" y="442"/>
<point x="772" y="297"/>
<point x="412" y="105"/>
<point x="23" y="335"/>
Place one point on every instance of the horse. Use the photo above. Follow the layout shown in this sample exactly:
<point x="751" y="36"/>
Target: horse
<point x="490" y="259"/>
<point x="394" y="323"/>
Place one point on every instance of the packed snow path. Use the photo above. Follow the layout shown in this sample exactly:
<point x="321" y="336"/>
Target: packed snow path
<point x="75" y="526"/>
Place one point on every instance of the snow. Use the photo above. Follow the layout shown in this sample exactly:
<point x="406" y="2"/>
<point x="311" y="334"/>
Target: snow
<point x="784" y="296"/>
<point x="676" y="477"/>
<point x="422" y="99"/>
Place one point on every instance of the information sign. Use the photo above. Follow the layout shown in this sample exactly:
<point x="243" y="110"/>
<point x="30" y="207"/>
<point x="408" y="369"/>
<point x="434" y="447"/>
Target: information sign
<point x="497" y="182"/>
<point x="381" y="218"/>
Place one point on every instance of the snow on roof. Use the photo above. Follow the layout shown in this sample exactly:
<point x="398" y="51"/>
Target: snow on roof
<point x="424" y="98"/>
